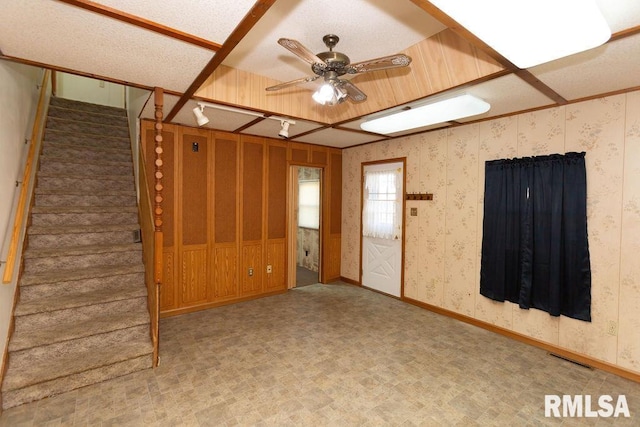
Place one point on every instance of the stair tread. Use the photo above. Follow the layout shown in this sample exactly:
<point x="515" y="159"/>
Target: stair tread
<point x="76" y="229"/>
<point x="29" y="279"/>
<point x="73" y="104"/>
<point x="100" y="178"/>
<point x="53" y="145"/>
<point x="75" y="120"/>
<point x="28" y="338"/>
<point x="82" y="209"/>
<point x="123" y="139"/>
<point x="80" y="250"/>
<point x="59" y="332"/>
<point x="101" y="162"/>
<point x="27" y="306"/>
<point x="57" y="365"/>
<point x="72" y="192"/>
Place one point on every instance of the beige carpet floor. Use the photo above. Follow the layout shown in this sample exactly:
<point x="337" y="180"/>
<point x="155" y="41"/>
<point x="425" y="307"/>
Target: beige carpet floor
<point x="331" y="355"/>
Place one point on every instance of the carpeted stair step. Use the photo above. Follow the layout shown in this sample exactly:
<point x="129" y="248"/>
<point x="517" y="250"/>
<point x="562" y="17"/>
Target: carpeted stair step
<point x="52" y="326"/>
<point x="44" y="363"/>
<point x="98" y="117"/>
<point x="42" y="260"/>
<point x="83" y="215"/>
<point x="79" y="152"/>
<point x="87" y="128"/>
<point x="88" y="167"/>
<point x="81" y="235"/>
<point x="52" y="197"/>
<point x="74" y="298"/>
<point x="18" y="396"/>
<point x="77" y="276"/>
<point x="53" y="136"/>
<point x="112" y="280"/>
<point x="72" y="104"/>
<point x="91" y="184"/>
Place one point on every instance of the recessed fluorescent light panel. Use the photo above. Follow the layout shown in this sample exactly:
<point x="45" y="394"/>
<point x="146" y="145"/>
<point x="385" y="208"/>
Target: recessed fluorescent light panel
<point x="426" y="115"/>
<point x="529" y="33"/>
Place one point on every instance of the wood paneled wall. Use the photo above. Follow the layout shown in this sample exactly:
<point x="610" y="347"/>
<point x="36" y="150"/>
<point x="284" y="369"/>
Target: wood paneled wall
<point x="226" y="214"/>
<point x="440" y="62"/>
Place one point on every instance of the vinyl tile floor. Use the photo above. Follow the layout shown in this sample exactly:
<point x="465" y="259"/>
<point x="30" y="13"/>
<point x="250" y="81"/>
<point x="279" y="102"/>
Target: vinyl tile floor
<point x="332" y="355"/>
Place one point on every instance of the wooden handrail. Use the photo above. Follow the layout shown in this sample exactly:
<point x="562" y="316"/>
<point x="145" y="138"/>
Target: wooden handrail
<point x="36" y="132"/>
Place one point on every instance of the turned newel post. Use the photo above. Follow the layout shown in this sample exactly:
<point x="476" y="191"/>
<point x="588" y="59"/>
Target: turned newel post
<point x="157" y="208"/>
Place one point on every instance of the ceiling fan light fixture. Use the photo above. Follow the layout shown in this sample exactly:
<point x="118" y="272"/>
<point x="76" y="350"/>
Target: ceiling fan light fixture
<point x="201" y="119"/>
<point x="430" y="114"/>
<point x="329" y="94"/>
<point x="534" y="32"/>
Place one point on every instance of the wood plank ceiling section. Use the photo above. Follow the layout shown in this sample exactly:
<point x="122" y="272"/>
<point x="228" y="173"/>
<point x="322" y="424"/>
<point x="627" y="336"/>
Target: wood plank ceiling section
<point x="226" y="52"/>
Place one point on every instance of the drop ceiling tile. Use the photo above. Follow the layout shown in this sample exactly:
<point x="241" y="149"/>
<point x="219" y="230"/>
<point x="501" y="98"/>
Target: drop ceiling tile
<point x="337" y="138"/>
<point x="612" y="67"/>
<point x="213" y="20"/>
<point x="97" y="45"/>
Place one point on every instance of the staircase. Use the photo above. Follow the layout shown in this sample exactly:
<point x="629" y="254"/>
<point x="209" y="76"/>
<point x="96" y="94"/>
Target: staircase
<point x="82" y="316"/>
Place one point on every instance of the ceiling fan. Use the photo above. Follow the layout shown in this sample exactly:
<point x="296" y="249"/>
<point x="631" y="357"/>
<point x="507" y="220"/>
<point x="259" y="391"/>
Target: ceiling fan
<point x="331" y="66"/>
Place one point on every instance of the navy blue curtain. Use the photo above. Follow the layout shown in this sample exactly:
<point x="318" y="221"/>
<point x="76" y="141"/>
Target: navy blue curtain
<point x="535" y="250"/>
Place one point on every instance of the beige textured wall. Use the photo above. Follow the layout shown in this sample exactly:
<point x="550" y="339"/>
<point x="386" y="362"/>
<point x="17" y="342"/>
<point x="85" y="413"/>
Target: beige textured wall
<point x="443" y="243"/>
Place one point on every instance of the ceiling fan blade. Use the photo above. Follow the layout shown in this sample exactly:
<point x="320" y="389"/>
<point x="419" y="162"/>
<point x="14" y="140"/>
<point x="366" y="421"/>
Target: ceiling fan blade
<point x="384" y="63"/>
<point x="354" y="94"/>
<point x="302" y="52"/>
<point x="292" y="83"/>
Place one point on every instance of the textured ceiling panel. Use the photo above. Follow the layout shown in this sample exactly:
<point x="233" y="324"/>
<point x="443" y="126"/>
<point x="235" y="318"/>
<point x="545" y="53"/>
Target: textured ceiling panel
<point x="92" y="44"/>
<point x="614" y="66"/>
<point x="620" y="14"/>
<point x="212" y="20"/>
<point x="337" y="138"/>
<point x="367" y="29"/>
<point x="506" y="95"/>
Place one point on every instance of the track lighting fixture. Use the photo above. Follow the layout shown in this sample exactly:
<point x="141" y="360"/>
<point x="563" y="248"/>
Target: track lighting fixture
<point x="202" y="120"/>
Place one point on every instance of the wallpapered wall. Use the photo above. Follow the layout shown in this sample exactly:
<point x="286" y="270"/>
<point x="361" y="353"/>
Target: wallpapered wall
<point x="443" y="243"/>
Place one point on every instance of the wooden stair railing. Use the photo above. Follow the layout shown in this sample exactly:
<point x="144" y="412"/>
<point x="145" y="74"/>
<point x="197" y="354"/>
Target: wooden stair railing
<point x="30" y="165"/>
<point x="151" y="226"/>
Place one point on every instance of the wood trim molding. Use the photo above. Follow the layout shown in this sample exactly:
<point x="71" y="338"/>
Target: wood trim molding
<point x="350" y="281"/>
<point x="251" y="18"/>
<point x="142" y="23"/>
<point x="563" y="352"/>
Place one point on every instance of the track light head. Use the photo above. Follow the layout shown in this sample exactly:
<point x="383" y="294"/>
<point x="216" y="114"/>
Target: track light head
<point x="284" y="130"/>
<point x="201" y="119"/>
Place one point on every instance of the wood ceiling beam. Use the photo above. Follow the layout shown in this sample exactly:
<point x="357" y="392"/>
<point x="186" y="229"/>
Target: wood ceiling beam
<point x="250" y="19"/>
<point x="142" y="23"/>
<point x="525" y="75"/>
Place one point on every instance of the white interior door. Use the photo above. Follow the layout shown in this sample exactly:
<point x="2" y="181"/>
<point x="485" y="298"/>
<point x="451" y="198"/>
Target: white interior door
<point x="382" y="227"/>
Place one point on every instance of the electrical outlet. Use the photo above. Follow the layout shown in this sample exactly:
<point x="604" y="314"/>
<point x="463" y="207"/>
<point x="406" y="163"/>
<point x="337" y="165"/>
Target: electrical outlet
<point x="269" y="268"/>
<point x="250" y="272"/>
<point x="612" y="328"/>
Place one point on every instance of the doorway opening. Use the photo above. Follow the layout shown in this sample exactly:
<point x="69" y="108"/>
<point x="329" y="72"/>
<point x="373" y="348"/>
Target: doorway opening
<point x="305" y="226"/>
